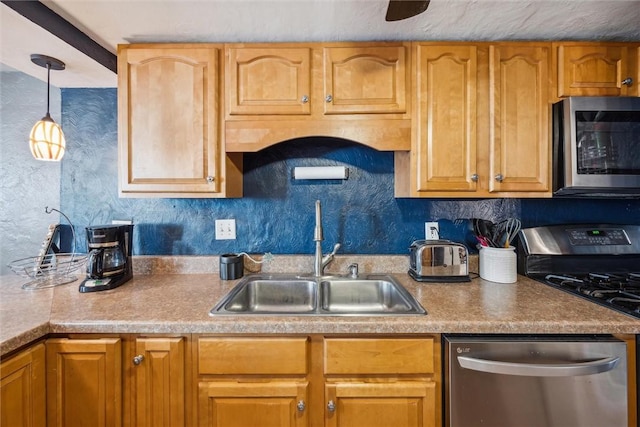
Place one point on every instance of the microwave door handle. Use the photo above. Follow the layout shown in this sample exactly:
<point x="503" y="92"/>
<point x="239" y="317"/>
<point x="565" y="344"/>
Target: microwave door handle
<point x="539" y="370"/>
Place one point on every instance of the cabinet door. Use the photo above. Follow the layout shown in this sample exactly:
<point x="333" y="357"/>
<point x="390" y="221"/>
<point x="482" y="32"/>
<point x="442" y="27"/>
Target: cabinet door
<point x="84" y="382"/>
<point x="593" y="70"/>
<point x="446" y="131"/>
<point x="159" y="373"/>
<point x="365" y="80"/>
<point x="168" y="120"/>
<point x="400" y="404"/>
<point x="268" y="404"/>
<point x="22" y="389"/>
<point x="520" y="153"/>
<point x="264" y="81"/>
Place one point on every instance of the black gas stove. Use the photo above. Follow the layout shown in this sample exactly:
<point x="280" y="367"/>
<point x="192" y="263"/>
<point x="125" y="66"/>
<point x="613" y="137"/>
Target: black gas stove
<point x="599" y="262"/>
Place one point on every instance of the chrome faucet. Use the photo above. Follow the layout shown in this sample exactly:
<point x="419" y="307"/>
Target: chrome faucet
<point x="320" y="262"/>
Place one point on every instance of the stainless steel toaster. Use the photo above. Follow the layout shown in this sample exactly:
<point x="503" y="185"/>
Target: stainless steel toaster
<point x="438" y="261"/>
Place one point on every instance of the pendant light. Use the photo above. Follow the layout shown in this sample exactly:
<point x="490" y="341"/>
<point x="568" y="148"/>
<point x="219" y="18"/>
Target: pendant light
<point x="47" y="140"/>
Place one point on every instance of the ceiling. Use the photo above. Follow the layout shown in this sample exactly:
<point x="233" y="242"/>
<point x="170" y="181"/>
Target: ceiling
<point x="113" y="22"/>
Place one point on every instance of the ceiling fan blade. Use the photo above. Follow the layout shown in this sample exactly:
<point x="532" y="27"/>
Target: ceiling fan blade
<point x="403" y="9"/>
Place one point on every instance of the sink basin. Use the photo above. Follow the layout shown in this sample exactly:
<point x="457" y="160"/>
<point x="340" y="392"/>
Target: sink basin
<point x="273" y="296"/>
<point x="369" y="295"/>
<point x="353" y="296"/>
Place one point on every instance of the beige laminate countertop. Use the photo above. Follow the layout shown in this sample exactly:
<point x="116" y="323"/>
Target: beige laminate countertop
<point x="159" y="300"/>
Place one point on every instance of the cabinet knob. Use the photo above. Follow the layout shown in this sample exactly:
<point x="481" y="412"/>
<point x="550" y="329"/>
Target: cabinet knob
<point x="474" y="177"/>
<point x="138" y="359"/>
<point x="499" y="177"/>
<point x="328" y="98"/>
<point x="331" y="406"/>
<point x="628" y="81"/>
<point x="304" y="99"/>
<point x="210" y="179"/>
<point x="301" y="406"/>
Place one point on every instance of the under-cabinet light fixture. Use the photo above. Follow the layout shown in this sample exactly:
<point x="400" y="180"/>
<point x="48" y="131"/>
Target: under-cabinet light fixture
<point x="47" y="139"/>
<point x="320" y="172"/>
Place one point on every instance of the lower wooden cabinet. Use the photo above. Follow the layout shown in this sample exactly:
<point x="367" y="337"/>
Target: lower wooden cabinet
<point x="119" y="381"/>
<point x="361" y="404"/>
<point x="157" y="379"/>
<point x="318" y="381"/>
<point x="224" y="381"/>
<point x="382" y="381"/>
<point x="22" y="389"/>
<point x="84" y="382"/>
<point x="265" y="404"/>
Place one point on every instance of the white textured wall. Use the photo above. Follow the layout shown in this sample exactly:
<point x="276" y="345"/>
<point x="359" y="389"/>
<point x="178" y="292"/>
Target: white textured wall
<point x="26" y="185"/>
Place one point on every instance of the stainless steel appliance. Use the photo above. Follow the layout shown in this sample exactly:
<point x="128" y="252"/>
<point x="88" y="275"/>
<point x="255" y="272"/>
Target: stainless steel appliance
<point x="599" y="262"/>
<point x="109" y="263"/>
<point x="438" y="261"/>
<point x="596" y="147"/>
<point x="558" y="381"/>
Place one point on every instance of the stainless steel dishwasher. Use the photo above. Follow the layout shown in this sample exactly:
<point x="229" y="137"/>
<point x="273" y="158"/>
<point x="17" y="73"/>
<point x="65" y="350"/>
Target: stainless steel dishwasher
<point x="526" y="381"/>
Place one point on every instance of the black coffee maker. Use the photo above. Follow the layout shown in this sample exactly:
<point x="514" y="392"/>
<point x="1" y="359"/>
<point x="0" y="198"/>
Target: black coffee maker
<point x="109" y="262"/>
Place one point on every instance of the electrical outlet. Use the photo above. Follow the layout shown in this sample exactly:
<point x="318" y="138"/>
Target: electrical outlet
<point x="225" y="229"/>
<point x="431" y="231"/>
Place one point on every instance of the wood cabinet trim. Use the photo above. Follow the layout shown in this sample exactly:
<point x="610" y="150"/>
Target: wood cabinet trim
<point x="237" y="356"/>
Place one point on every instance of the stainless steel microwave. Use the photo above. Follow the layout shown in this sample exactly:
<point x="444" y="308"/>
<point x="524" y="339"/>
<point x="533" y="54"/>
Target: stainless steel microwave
<point x="596" y="147"/>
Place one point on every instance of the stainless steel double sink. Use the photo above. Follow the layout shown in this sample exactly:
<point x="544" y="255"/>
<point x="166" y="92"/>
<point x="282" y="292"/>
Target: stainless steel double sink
<point x="368" y="295"/>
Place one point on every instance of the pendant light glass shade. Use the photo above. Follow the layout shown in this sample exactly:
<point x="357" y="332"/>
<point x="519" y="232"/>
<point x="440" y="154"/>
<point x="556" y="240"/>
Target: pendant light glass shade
<point x="46" y="140"/>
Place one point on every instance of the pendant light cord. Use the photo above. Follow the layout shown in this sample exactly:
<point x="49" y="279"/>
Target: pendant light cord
<point x="48" y="86"/>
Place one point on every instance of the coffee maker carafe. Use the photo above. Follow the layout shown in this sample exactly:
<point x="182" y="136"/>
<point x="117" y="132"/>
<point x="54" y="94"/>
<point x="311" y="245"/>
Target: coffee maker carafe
<point x="109" y="261"/>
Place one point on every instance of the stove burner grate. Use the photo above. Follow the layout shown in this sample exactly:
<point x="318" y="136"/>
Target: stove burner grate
<point x="619" y="291"/>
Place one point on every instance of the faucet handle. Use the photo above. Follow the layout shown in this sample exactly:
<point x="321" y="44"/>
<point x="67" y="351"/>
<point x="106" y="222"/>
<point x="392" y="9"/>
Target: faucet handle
<point x="353" y="270"/>
<point x="335" y="248"/>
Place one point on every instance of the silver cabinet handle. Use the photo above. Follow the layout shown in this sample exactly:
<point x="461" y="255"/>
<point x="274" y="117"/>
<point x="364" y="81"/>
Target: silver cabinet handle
<point x="328" y="98"/>
<point x="536" y="370"/>
<point x="210" y="178"/>
<point x="499" y="177"/>
<point x="331" y="406"/>
<point x="304" y="99"/>
<point x="301" y="405"/>
<point x="628" y="81"/>
<point x="474" y="177"/>
<point x="138" y="359"/>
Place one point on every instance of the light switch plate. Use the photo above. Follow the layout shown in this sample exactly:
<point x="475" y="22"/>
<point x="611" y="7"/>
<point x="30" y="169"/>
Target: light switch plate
<point x="225" y="229"/>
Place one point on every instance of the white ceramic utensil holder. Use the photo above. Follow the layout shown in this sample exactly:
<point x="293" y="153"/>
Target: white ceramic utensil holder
<point x="498" y="264"/>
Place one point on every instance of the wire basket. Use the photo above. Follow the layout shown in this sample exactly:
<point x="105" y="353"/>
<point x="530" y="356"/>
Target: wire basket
<point x="49" y="270"/>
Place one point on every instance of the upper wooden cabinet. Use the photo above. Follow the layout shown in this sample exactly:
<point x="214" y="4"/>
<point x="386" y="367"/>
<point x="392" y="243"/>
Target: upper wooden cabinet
<point x="597" y="69"/>
<point x="169" y="136"/>
<point x="519" y="110"/>
<point x="273" y="80"/>
<point x="481" y="122"/>
<point x="356" y="91"/>
<point x="287" y="81"/>
<point x="365" y="80"/>
<point x="445" y="152"/>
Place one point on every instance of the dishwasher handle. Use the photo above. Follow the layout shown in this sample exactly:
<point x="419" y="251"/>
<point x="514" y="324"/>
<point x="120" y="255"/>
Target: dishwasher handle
<point x="539" y="370"/>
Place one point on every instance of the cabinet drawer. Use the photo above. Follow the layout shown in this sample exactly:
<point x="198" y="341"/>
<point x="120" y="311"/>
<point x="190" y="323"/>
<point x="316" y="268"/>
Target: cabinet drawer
<point x="378" y="356"/>
<point x="252" y="356"/>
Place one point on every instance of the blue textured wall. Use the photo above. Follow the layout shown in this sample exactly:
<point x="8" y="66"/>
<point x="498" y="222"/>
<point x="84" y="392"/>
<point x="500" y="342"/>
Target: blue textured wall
<point x="276" y="213"/>
<point x="27" y="185"/>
